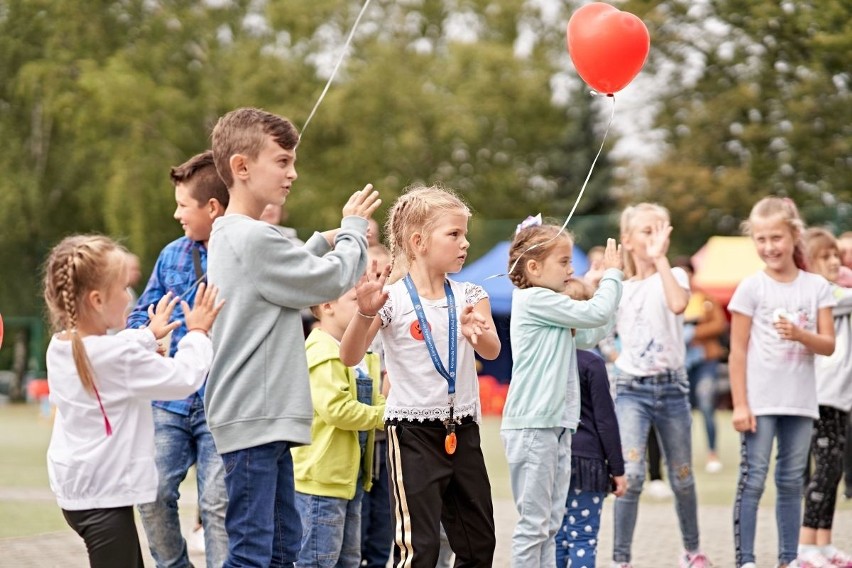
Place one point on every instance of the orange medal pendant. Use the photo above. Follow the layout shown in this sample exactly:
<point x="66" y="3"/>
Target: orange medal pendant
<point x="450" y="443"/>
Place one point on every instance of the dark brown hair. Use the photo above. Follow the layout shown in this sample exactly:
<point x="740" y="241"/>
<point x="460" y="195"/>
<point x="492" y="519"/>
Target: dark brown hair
<point x="244" y="131"/>
<point x="200" y="175"/>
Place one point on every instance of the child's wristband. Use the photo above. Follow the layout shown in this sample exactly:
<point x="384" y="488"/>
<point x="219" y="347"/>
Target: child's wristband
<point x="366" y="316"/>
<point x="201" y="329"/>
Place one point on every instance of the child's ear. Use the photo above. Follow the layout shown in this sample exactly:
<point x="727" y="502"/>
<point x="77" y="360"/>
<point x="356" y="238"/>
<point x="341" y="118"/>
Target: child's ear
<point x="416" y="241"/>
<point x="532" y="266"/>
<point x="214" y="208"/>
<point x="95" y="299"/>
<point x="239" y="166"/>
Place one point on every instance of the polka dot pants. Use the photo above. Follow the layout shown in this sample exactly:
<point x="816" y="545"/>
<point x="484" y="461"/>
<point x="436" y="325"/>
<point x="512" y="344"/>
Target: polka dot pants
<point x="577" y="538"/>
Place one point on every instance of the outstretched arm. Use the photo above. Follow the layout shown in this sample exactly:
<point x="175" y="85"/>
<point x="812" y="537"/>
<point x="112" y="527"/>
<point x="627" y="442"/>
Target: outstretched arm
<point x="362" y="329"/>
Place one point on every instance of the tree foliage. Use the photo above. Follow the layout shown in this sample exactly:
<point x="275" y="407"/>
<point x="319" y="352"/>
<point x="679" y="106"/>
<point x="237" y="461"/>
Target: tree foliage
<point x="757" y="102"/>
<point x="100" y="98"/>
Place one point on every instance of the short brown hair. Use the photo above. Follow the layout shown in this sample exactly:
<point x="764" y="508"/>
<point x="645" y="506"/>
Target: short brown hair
<point x="244" y="131"/>
<point x="200" y="175"/>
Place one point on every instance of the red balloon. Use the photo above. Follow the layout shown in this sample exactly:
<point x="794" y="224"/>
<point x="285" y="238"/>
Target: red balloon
<point x="608" y="47"/>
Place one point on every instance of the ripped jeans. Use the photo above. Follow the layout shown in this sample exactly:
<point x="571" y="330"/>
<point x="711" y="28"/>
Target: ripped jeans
<point x="661" y="400"/>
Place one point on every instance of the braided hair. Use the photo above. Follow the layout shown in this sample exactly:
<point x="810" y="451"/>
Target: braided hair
<point x="533" y="243"/>
<point x="417" y="210"/>
<point x="75" y="267"/>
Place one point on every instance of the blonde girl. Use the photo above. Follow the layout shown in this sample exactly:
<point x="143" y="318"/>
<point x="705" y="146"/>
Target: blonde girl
<point x="780" y="318"/>
<point x="652" y="388"/>
<point x="101" y="454"/>
<point x="834" y="396"/>
<point x="542" y="407"/>
<point x="430" y="327"/>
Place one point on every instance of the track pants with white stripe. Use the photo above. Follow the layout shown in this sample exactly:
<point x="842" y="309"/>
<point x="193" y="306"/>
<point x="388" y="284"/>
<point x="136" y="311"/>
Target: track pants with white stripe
<point x="430" y="487"/>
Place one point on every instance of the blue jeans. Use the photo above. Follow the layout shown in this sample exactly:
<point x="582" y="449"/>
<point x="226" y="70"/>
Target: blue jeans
<point x="702" y="383"/>
<point x="793" y="435"/>
<point x="539" y="471"/>
<point x="577" y="539"/>
<point x="331" y="530"/>
<point x="182" y="441"/>
<point x="663" y="401"/>
<point x="264" y="528"/>
<point x="376" y="527"/>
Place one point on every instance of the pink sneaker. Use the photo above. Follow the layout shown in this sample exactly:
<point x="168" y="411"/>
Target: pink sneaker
<point x="811" y="560"/>
<point x="841" y="559"/>
<point x="694" y="560"/>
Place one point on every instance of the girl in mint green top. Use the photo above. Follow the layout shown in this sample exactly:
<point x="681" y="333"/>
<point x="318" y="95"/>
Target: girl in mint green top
<point x="543" y="403"/>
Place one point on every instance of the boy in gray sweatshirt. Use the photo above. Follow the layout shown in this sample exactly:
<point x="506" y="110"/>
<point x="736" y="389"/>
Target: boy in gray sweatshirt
<point x="258" y="398"/>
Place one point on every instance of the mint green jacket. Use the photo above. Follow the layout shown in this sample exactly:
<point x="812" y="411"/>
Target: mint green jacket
<point x="329" y="466"/>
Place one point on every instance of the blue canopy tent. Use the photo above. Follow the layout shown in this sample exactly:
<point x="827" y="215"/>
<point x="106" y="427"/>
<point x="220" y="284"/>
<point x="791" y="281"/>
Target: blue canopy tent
<point x="499" y="288"/>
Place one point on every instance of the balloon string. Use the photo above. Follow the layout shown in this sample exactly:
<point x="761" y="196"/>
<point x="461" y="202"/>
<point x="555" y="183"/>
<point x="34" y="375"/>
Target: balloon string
<point x="336" y="67"/>
<point x="576" y="202"/>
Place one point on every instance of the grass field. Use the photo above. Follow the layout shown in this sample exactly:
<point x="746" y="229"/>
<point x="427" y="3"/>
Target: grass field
<point x="27" y="506"/>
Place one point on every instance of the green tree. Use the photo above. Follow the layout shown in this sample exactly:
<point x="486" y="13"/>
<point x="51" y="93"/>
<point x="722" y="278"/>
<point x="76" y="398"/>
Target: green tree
<point x="757" y="102"/>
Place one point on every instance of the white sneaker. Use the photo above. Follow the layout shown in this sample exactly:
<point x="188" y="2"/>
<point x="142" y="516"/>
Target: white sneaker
<point x="749" y="565"/>
<point x="621" y="565"/>
<point x="195" y="542"/>
<point x="713" y="466"/>
<point x="659" y="489"/>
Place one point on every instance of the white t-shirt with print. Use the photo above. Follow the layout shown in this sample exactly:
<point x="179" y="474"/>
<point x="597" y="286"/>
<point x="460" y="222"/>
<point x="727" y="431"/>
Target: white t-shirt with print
<point x="780" y="373"/>
<point x="651" y="334"/>
<point x="418" y="391"/>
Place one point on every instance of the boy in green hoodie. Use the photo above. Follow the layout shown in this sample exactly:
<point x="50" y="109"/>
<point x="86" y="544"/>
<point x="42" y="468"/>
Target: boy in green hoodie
<point x="332" y="473"/>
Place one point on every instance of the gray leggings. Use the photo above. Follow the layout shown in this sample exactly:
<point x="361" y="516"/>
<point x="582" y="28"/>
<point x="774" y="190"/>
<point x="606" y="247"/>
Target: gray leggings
<point x="110" y="536"/>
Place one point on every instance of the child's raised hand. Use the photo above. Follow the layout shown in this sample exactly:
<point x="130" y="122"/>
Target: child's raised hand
<point x="159" y="316"/>
<point x="203" y="313"/>
<point x="370" y="289"/>
<point x="612" y="255"/>
<point x="472" y="324"/>
<point x="362" y="203"/>
<point x="658" y="243"/>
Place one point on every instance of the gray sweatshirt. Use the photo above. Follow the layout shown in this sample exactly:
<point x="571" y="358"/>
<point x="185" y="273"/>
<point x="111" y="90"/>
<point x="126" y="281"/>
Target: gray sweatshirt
<point x="258" y="389"/>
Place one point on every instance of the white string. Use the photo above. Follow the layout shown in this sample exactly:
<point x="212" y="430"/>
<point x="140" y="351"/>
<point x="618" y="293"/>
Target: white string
<point x="579" y="196"/>
<point x="336" y="67"/>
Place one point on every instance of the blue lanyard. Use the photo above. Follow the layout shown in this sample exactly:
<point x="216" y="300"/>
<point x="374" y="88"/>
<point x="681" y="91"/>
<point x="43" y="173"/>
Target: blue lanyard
<point x="450" y="375"/>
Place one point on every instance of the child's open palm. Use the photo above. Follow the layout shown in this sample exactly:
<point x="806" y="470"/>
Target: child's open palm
<point x="658" y="242"/>
<point x="612" y="255"/>
<point x="370" y="289"/>
<point x="203" y="313"/>
<point x="362" y="203"/>
<point x="159" y="315"/>
<point x="472" y="324"/>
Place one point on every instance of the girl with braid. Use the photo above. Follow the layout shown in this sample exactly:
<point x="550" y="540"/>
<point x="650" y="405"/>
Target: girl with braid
<point x="101" y="455"/>
<point x="542" y="407"/>
<point x="430" y="327"/>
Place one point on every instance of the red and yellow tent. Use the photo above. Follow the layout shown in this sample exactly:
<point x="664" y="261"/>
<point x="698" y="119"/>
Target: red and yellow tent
<point x="722" y="263"/>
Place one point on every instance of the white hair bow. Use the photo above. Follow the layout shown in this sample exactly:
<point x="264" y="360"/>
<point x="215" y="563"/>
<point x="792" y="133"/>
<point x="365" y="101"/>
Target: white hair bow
<point x="530" y="221"/>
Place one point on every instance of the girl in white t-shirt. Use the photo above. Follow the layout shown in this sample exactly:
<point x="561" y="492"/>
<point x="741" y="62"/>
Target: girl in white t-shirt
<point x="834" y="396"/>
<point x="652" y="388"/>
<point x="430" y="327"/>
<point x="780" y="318"/>
<point x="101" y="455"/>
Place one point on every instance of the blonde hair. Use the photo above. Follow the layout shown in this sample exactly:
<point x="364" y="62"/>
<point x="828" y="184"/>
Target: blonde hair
<point x="417" y="210"/>
<point x="628" y="222"/>
<point x="533" y="243"/>
<point x="816" y="241"/>
<point x="786" y="209"/>
<point x="75" y="267"/>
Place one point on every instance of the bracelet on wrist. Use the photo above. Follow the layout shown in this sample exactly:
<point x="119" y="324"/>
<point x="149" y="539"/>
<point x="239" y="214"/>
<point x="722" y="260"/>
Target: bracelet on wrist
<point x="201" y="329"/>
<point x="366" y="316"/>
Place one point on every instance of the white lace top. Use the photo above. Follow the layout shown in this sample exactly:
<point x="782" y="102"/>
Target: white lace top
<point x="418" y="391"/>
